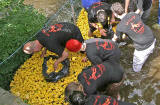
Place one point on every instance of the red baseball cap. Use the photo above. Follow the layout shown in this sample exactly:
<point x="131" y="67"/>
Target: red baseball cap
<point x="73" y="45"/>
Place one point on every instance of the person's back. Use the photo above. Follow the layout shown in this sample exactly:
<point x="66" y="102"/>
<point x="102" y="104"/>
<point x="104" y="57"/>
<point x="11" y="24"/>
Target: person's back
<point x="100" y="50"/>
<point x="77" y="97"/>
<point x="104" y="55"/>
<point x="99" y="76"/>
<point x="104" y="100"/>
<point x="140" y="33"/>
<point x="55" y="37"/>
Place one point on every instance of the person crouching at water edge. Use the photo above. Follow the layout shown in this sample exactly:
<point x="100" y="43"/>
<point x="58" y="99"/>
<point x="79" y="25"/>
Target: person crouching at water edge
<point x="141" y="35"/>
<point x="54" y="39"/>
<point x="75" y="95"/>
<point x="105" y="70"/>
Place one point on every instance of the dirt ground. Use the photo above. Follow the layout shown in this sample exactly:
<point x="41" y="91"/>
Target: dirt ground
<point x="48" y="7"/>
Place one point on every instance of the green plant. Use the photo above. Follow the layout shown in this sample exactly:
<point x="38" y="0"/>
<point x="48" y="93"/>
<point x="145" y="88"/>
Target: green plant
<point x="22" y="22"/>
<point x="18" y="23"/>
<point x="5" y="3"/>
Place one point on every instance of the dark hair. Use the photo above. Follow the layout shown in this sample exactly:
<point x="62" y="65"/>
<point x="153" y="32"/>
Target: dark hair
<point x="73" y="86"/>
<point x="77" y="98"/>
<point x="92" y="15"/>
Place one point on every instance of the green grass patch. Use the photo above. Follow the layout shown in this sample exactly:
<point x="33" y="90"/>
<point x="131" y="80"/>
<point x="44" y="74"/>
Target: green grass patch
<point x="18" y="23"/>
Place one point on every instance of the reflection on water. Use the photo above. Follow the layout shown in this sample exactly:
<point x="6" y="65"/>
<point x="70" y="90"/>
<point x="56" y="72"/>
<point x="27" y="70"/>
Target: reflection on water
<point x="141" y="88"/>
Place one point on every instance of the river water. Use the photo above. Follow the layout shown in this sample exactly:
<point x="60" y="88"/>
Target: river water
<point x="140" y="88"/>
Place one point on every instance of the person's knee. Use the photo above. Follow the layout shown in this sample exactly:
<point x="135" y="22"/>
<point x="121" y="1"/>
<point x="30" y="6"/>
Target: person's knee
<point x="137" y="68"/>
<point x="137" y="64"/>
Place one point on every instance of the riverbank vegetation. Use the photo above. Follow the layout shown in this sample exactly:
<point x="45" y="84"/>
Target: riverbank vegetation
<point x="18" y="22"/>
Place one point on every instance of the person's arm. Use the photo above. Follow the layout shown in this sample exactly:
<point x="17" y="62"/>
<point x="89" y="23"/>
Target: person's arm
<point x="43" y="52"/>
<point x="112" y="18"/>
<point x="60" y="59"/>
<point x="94" y="59"/>
<point x="90" y="34"/>
<point x="126" y="5"/>
<point x="139" y="7"/>
<point x="91" y="30"/>
<point x="101" y="30"/>
<point x="138" y="11"/>
<point x="116" y="36"/>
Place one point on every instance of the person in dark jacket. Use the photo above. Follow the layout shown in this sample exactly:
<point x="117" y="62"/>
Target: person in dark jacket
<point x="75" y="96"/>
<point x="55" y="39"/>
<point x="100" y="12"/>
<point x="104" y="55"/>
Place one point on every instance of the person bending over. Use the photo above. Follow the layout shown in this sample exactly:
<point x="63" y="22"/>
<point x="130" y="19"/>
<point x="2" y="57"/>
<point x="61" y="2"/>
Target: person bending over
<point x="54" y="39"/>
<point x="75" y="96"/>
<point x="141" y="35"/>
<point x="105" y="70"/>
<point x="100" y="12"/>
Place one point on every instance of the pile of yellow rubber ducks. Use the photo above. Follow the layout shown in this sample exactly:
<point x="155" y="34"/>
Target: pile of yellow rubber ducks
<point x="82" y="23"/>
<point x="29" y="83"/>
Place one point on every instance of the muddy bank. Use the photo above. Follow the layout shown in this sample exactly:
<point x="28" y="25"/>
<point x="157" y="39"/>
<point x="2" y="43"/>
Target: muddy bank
<point x="155" y="66"/>
<point x="48" y="7"/>
<point x="9" y="99"/>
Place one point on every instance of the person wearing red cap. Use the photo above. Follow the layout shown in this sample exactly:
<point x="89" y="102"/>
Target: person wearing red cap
<point x="73" y="45"/>
<point x="105" y="70"/>
<point x="55" y="39"/>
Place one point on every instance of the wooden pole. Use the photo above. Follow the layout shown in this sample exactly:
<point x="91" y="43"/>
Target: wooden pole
<point x="73" y="12"/>
<point x="159" y="13"/>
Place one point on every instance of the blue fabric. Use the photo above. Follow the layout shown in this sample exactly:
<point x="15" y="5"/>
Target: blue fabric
<point x="159" y="13"/>
<point x="87" y="3"/>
